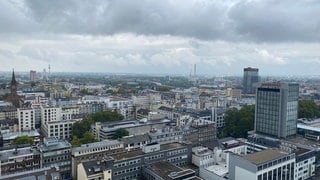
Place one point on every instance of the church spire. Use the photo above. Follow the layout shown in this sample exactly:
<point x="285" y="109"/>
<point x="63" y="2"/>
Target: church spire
<point x="13" y="81"/>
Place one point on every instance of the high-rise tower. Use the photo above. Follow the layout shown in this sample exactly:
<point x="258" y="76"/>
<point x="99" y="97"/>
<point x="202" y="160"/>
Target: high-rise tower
<point x="276" y="110"/>
<point x="250" y="79"/>
<point x="33" y="75"/>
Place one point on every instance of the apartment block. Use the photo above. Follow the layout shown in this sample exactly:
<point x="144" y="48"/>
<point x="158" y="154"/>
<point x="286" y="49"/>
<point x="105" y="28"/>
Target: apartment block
<point x="27" y="120"/>
<point x="56" y="153"/>
<point x="19" y="160"/>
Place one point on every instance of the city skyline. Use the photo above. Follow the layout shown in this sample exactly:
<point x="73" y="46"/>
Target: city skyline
<point x="166" y="37"/>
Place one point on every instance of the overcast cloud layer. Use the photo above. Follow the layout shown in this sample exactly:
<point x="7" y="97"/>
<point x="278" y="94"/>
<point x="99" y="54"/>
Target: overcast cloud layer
<point x="167" y="36"/>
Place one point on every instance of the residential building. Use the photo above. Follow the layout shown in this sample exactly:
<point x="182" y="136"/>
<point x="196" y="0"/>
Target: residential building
<point x="57" y="123"/>
<point x="199" y="133"/>
<point x="19" y="160"/>
<point x="94" y="151"/>
<point x="9" y="137"/>
<point x="218" y="117"/>
<point x="250" y="78"/>
<point x="91" y="170"/>
<point x="27" y="120"/>
<point x="56" y="153"/>
<point x="276" y="109"/>
<point x="42" y="173"/>
<point x="8" y="112"/>
<point x="61" y="129"/>
<point x="129" y="164"/>
<point x="166" y="135"/>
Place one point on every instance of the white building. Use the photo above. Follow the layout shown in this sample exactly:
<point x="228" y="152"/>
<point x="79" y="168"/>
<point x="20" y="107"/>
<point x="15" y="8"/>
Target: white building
<point x="202" y="157"/>
<point x="26" y="118"/>
<point x="50" y="114"/>
<point x="57" y="123"/>
<point x="263" y="165"/>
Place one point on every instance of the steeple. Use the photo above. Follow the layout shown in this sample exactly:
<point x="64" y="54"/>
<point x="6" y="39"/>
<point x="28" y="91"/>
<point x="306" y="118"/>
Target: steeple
<point x="13" y="85"/>
<point x="13" y="81"/>
<point x="14" y="98"/>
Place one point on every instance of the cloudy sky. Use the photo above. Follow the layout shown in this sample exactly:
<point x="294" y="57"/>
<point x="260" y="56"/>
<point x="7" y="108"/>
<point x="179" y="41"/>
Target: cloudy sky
<point x="161" y="36"/>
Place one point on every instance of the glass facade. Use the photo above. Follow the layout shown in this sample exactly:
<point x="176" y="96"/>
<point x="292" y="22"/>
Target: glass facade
<point x="250" y="76"/>
<point x="277" y="109"/>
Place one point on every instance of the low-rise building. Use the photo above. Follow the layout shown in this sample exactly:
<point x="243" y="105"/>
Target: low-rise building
<point x="163" y="170"/>
<point x="267" y="164"/>
<point x="56" y="153"/>
<point x="19" y="160"/>
<point x="91" y="170"/>
<point x="9" y="137"/>
<point x="94" y="151"/>
<point x="42" y="173"/>
<point x="202" y="157"/>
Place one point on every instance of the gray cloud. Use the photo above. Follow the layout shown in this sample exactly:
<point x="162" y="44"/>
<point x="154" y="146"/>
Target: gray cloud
<point x="241" y="20"/>
<point x="275" y="20"/>
<point x="166" y="36"/>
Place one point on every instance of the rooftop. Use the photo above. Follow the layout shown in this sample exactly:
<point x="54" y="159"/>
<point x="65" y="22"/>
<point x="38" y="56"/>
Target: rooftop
<point x="13" y="153"/>
<point x="94" y="167"/>
<point x="168" y="171"/>
<point x="135" y="139"/>
<point x="201" y="151"/>
<point x="53" y="144"/>
<point x="13" y="135"/>
<point x="138" y="152"/>
<point x="220" y="170"/>
<point x="104" y="143"/>
<point x="36" y="174"/>
<point x="264" y="156"/>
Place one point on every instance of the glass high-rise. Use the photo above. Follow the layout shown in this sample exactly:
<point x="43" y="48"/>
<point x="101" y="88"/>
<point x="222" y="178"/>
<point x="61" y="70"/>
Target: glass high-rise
<point x="250" y="78"/>
<point x="276" y="111"/>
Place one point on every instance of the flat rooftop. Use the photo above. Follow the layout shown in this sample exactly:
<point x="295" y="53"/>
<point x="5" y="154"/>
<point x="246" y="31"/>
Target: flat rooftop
<point x="168" y="171"/>
<point x="13" y="135"/>
<point x="101" y="144"/>
<point x="264" y="156"/>
<point x="138" y="152"/>
<point x="19" y="152"/>
<point x="61" y="144"/>
<point x="220" y="170"/>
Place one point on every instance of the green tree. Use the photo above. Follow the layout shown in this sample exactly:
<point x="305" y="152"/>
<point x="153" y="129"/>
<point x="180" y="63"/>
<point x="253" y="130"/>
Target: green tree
<point x="238" y="122"/>
<point x="107" y="116"/>
<point x="23" y="140"/>
<point x="308" y="109"/>
<point x="75" y="141"/>
<point x="80" y="127"/>
<point x="163" y="88"/>
<point x="88" y="138"/>
<point x="120" y="133"/>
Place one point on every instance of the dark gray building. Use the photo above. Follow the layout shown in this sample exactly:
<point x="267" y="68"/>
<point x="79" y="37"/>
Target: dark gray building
<point x="40" y="174"/>
<point x="276" y="110"/>
<point x="56" y="154"/>
<point x="250" y="78"/>
<point x="17" y="160"/>
<point x="129" y="164"/>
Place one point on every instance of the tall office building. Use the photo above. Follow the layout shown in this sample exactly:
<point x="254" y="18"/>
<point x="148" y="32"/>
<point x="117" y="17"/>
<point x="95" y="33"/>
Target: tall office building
<point x="250" y="78"/>
<point x="277" y="109"/>
<point x="33" y="75"/>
